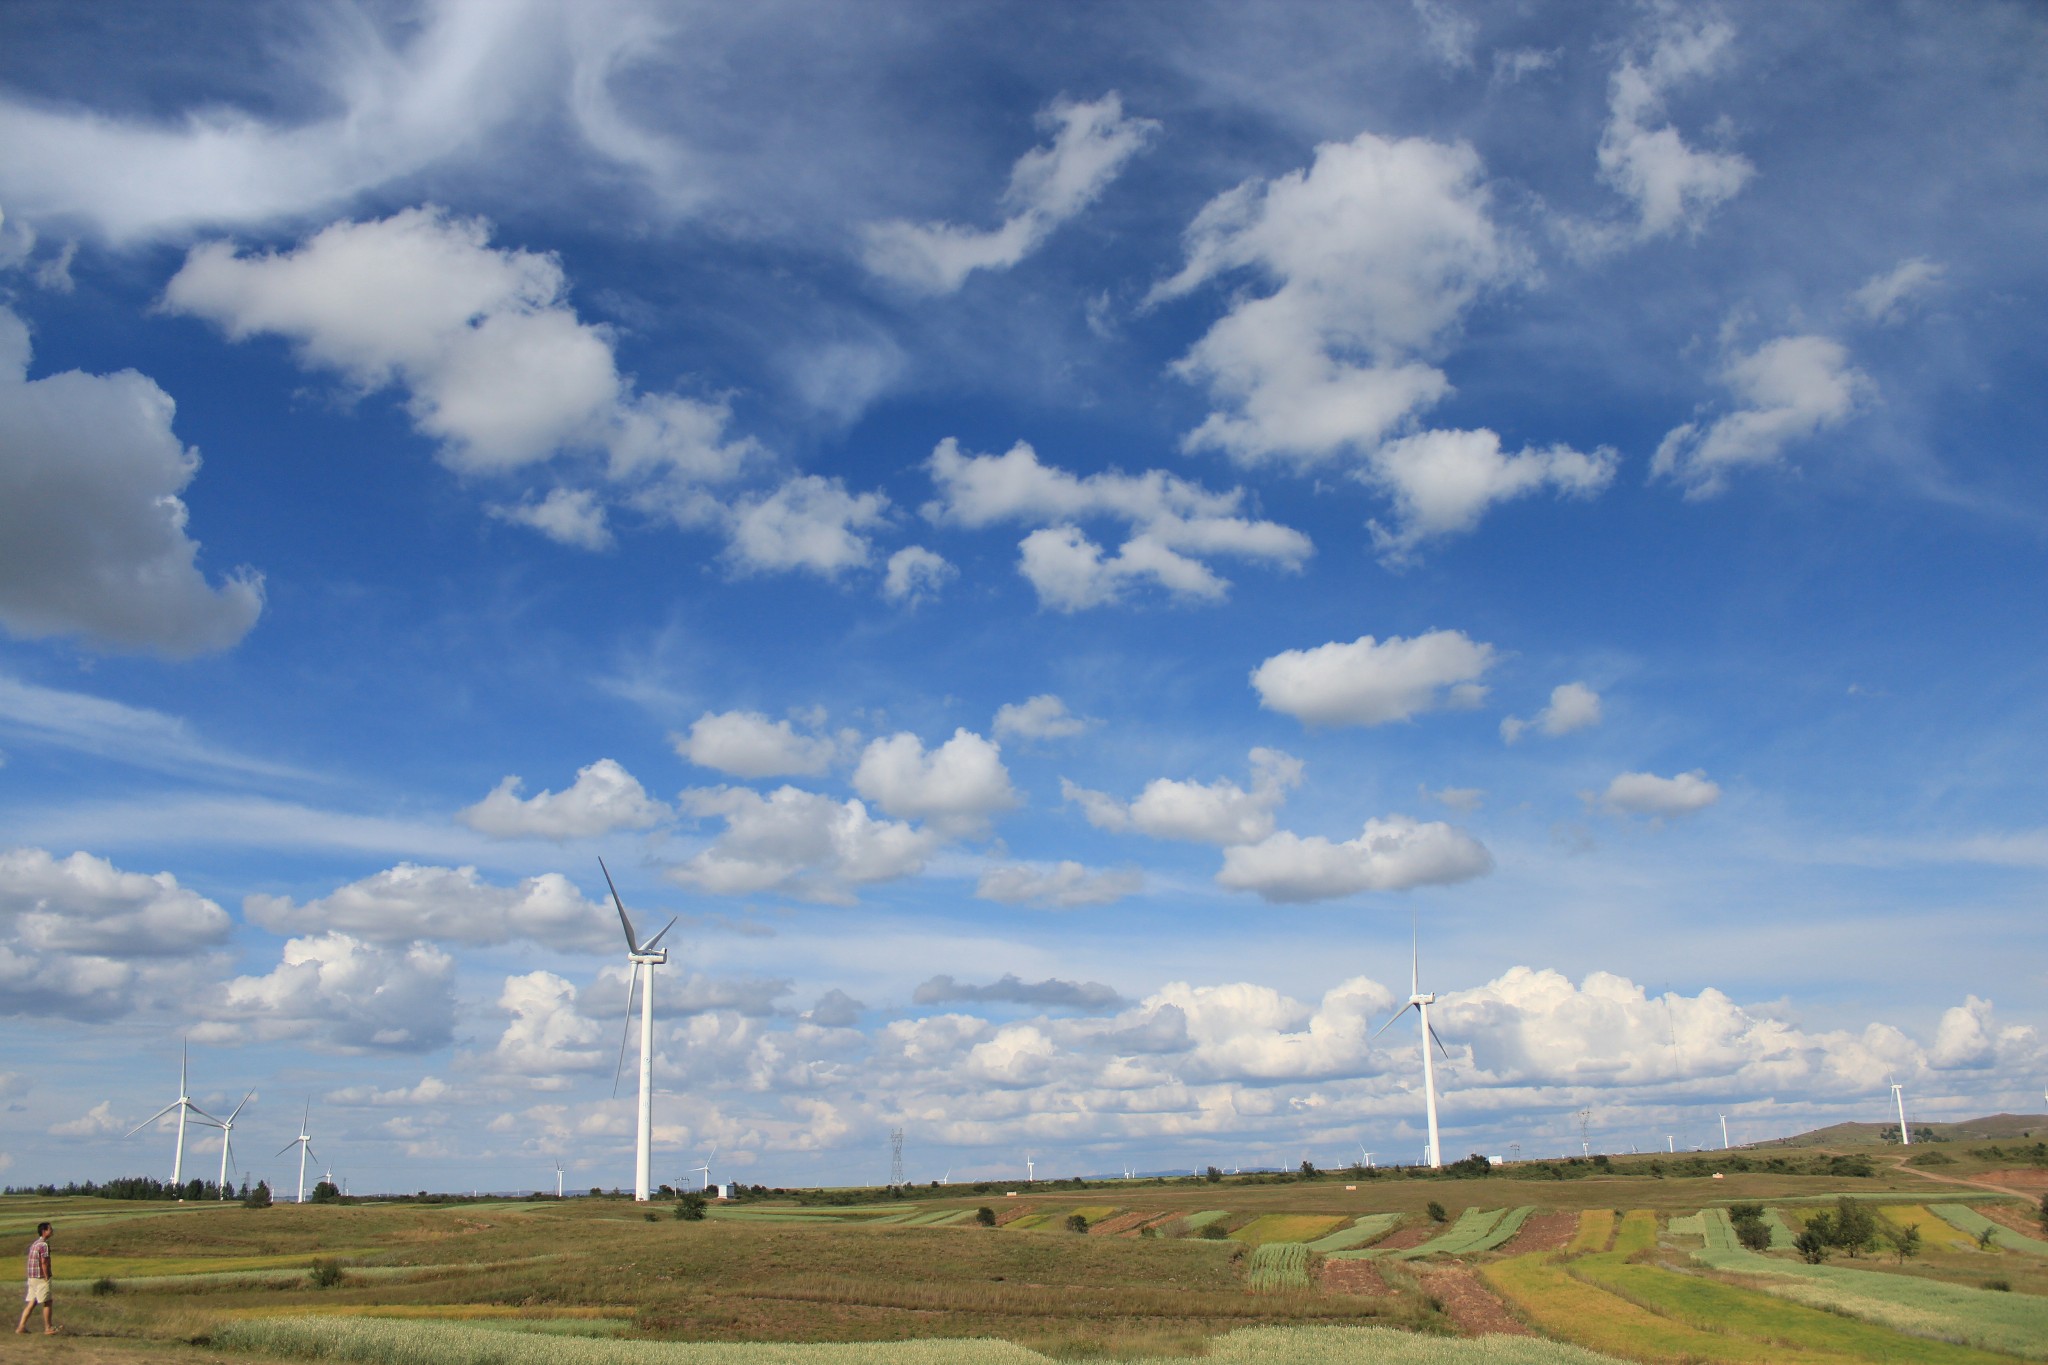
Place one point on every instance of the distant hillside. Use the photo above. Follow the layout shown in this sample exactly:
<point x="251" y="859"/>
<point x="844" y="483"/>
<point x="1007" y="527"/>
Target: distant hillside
<point x="1992" y="1127"/>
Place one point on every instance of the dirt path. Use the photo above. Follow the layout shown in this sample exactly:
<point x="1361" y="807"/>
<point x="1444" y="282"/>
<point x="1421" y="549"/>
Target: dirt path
<point x="1470" y="1305"/>
<point x="69" y="1350"/>
<point x="2025" y="1182"/>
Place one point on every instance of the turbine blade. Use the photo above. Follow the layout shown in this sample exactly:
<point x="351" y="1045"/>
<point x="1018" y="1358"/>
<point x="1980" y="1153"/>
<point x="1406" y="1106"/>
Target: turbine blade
<point x="288" y="1146"/>
<point x="648" y="946"/>
<point x="1439" y="1042"/>
<point x="1390" y="1023"/>
<point x="632" y="943"/>
<point x="238" y="1108"/>
<point x="632" y="983"/>
<point x="151" y="1119"/>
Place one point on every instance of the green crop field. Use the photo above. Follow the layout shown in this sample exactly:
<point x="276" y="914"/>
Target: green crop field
<point x="917" y="1279"/>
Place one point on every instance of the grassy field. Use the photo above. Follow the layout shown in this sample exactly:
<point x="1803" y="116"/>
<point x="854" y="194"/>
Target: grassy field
<point x="917" y="1279"/>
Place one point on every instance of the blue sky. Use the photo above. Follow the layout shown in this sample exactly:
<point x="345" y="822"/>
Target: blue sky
<point x="1054" y="540"/>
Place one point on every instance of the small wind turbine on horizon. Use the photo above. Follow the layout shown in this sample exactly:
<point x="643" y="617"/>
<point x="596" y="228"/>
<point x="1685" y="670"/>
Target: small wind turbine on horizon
<point x="1030" y="1172"/>
<point x="183" y="1104"/>
<point x="639" y="956"/>
<point x="1420" y="1002"/>
<point x="706" y="1167"/>
<point x="558" y="1180"/>
<point x="304" y="1142"/>
<point x="227" y="1140"/>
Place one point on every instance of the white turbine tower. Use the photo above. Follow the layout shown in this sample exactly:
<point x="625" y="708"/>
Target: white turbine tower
<point x="183" y="1104"/>
<point x="1030" y="1172"/>
<point x="1899" y="1097"/>
<point x="1420" y="1003"/>
<point x="639" y="956"/>
<point x="558" y="1180"/>
<point x="227" y="1141"/>
<point x="304" y="1142"/>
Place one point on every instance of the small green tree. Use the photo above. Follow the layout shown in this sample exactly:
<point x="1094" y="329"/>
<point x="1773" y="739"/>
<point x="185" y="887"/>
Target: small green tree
<point x="1308" y="1169"/>
<point x="258" y="1198"/>
<point x="1436" y="1212"/>
<point x="1855" y="1226"/>
<point x="985" y="1216"/>
<point x="1077" y="1222"/>
<point x="690" y="1208"/>
<point x="1905" y="1241"/>
<point x="1215" y="1175"/>
<point x="327" y="1192"/>
<point x="1988" y="1238"/>
<point x="1811" y="1246"/>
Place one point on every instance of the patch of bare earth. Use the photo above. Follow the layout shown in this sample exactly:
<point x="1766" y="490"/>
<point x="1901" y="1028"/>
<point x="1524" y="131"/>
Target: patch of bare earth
<point x="1007" y="1213"/>
<point x="1354" y="1277"/>
<point x="1543" y="1232"/>
<point x="2033" y="1178"/>
<point x="2025" y="1221"/>
<point x="1129" y="1221"/>
<point x="1413" y="1235"/>
<point x="1470" y="1306"/>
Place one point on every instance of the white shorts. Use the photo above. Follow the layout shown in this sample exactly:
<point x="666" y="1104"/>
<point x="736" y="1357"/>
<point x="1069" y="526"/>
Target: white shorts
<point x="38" y="1292"/>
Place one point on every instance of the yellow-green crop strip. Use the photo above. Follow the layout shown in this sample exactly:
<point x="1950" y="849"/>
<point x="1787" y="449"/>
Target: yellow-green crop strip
<point x="1976" y="1224"/>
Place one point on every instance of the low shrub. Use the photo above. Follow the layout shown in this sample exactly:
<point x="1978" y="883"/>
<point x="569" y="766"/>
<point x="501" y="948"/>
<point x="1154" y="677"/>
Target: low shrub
<point x="985" y="1216"/>
<point x="1077" y="1222"/>
<point x="1436" y="1212"/>
<point x="105" y="1285"/>
<point x="326" y="1273"/>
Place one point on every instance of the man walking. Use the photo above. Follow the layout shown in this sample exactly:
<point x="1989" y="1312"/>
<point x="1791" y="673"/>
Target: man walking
<point x="38" y="1280"/>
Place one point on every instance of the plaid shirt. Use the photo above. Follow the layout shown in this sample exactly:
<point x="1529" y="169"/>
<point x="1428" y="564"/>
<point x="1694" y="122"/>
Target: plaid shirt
<point x="39" y="1259"/>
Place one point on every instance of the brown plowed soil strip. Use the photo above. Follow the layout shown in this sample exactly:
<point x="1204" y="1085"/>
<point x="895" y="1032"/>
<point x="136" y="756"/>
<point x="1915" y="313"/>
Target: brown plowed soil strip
<point x="1007" y="1213"/>
<point x="1128" y="1221"/>
<point x="1543" y="1232"/>
<point x="1414" y="1235"/>
<point x="1354" y="1277"/>
<point x="2026" y="1178"/>
<point x="2027" y="1221"/>
<point x="1472" y="1309"/>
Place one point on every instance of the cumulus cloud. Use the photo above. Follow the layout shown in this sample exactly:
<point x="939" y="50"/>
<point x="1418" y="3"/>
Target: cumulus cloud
<point x="452" y="904"/>
<point x="1374" y="682"/>
<point x="1044" y="716"/>
<point x="1789" y="389"/>
<point x="1883" y="298"/>
<point x="83" y="939"/>
<point x="545" y="1036"/>
<point x="93" y="538"/>
<point x="567" y="516"/>
<point x="748" y="744"/>
<point x="338" y="992"/>
<point x="810" y="523"/>
<point x="1672" y="185"/>
<point x="1393" y="854"/>
<point x="1009" y="990"/>
<point x="1443" y="481"/>
<point x="798" y="843"/>
<point x="1050" y="184"/>
<point x="604" y="797"/>
<point x="1661" y="797"/>
<point x="957" y="787"/>
<point x="1065" y="885"/>
<point x="1173" y="523"/>
<point x="1220" y="812"/>
<point x="915" y="574"/>
<point x="1573" y="706"/>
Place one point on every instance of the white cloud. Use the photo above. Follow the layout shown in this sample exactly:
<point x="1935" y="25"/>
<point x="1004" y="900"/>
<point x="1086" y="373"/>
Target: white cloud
<point x="338" y="992"/>
<point x="1447" y="33"/>
<point x="98" y="1121"/>
<point x="1393" y="854"/>
<point x="1044" y="716"/>
<point x="915" y="574"/>
<point x="1375" y="252"/>
<point x="748" y="744"/>
<point x="1573" y="706"/>
<point x="1372" y="682"/>
<point x="1219" y="813"/>
<point x="809" y="523"/>
<point x="1790" y="389"/>
<point x="1171" y="519"/>
<point x="604" y="797"/>
<point x="800" y="844"/>
<point x="1443" y="481"/>
<point x="1882" y="298"/>
<point x="567" y="516"/>
<point x="1065" y="885"/>
<point x="453" y="904"/>
<point x="111" y="729"/>
<point x="1049" y="185"/>
<point x="1649" y="794"/>
<point x="93" y="536"/>
<point x="1009" y="990"/>
<point x="1672" y="185"/>
<point x="545" y="1036"/>
<point x="86" y="905"/>
<point x="957" y="787"/>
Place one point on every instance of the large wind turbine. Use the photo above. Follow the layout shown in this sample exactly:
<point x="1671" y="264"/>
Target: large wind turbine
<point x="639" y="955"/>
<point x="183" y="1104"/>
<point x="304" y="1142"/>
<point x="1899" y="1097"/>
<point x="227" y="1141"/>
<point x="1420" y="1003"/>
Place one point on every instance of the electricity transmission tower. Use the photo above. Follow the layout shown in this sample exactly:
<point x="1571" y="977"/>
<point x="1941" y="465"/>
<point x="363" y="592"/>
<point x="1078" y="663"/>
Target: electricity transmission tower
<point x="895" y="1157"/>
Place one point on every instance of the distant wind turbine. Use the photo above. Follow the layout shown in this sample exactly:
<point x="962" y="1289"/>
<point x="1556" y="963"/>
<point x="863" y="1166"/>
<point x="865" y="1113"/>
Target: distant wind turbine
<point x="304" y="1142"/>
<point x="183" y="1104"/>
<point x="706" y="1167"/>
<point x="558" y="1180"/>
<point x="1420" y="1003"/>
<point x="1899" y="1095"/>
<point x="640" y="956"/>
<point x="1030" y="1172"/>
<point x="227" y="1141"/>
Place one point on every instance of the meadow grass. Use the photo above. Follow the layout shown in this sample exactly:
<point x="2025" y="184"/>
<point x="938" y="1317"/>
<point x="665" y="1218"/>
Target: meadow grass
<point x="1967" y="1219"/>
<point x="1362" y="1231"/>
<point x="1286" y="1227"/>
<point x="1637" y="1232"/>
<point x="1503" y="1231"/>
<point x="86" y="1268"/>
<point x="1782" y="1236"/>
<point x="389" y="1343"/>
<point x="1472" y="1226"/>
<point x="1278" y="1266"/>
<point x="1933" y="1231"/>
<point x="2016" y="1324"/>
<point x="1195" y="1222"/>
<point x="1596" y="1230"/>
